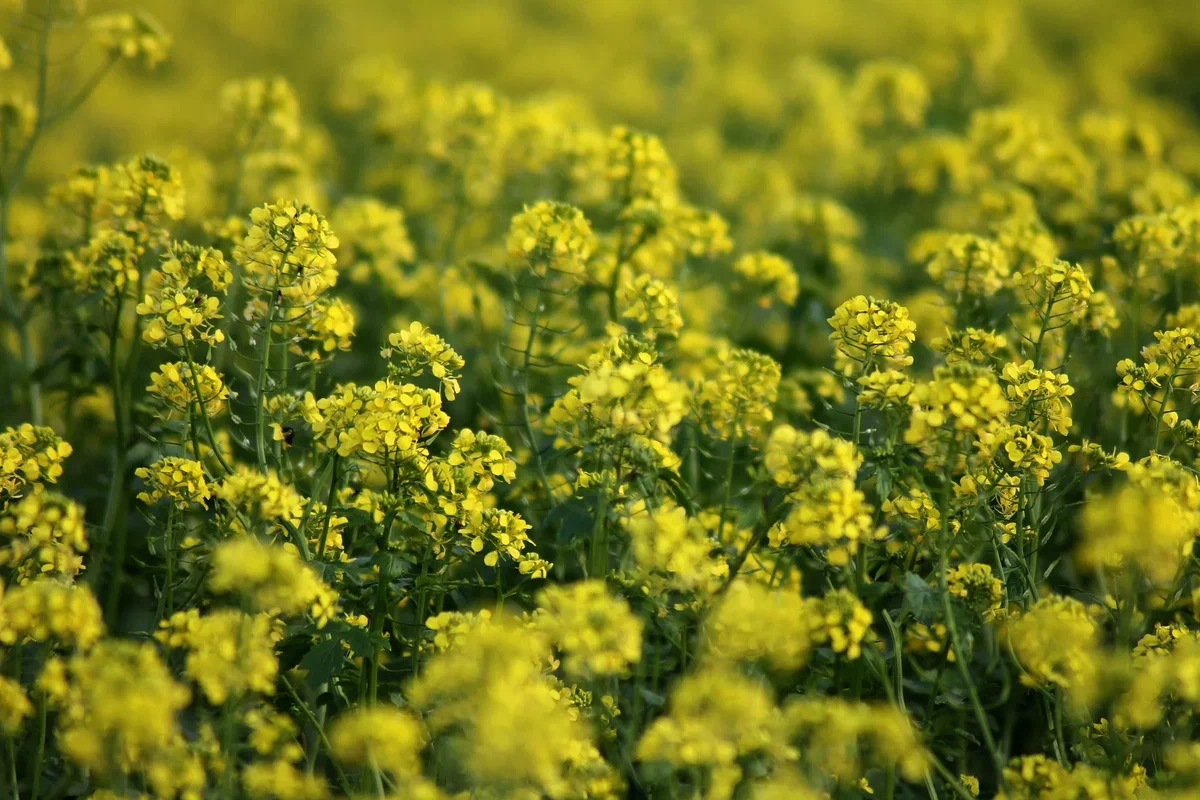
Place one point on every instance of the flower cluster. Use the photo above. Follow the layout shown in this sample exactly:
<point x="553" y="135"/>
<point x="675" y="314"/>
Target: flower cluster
<point x="681" y="416"/>
<point x="871" y="333"/>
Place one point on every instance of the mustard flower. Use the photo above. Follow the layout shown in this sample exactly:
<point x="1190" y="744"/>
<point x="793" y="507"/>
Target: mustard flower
<point x="964" y="399"/>
<point x="889" y="93"/>
<point x="844" y="737"/>
<point x="736" y="398"/>
<point x="616" y="397"/>
<point x="653" y="305"/>
<point x="281" y="780"/>
<point x="175" y="385"/>
<point x="768" y="277"/>
<point x="971" y="346"/>
<point x="886" y="390"/>
<point x="146" y="190"/>
<point x="551" y="238"/>
<point x="181" y="480"/>
<point x="869" y="332"/>
<point x="270" y="579"/>
<point x="412" y="351"/>
<point x="15" y="706"/>
<point x="637" y="167"/>
<point x="484" y="456"/>
<point x="386" y="738"/>
<point x="387" y="422"/>
<point x="119" y="714"/>
<point x="754" y="623"/>
<point x="262" y="496"/>
<point x="597" y="632"/>
<point x="827" y="509"/>
<point x="449" y="627"/>
<point x="1140" y="524"/>
<point x="288" y="250"/>
<point x="976" y="587"/>
<point x="1055" y="641"/>
<point x="108" y="263"/>
<point x="260" y="113"/>
<point x="965" y="264"/>
<point x="1029" y="451"/>
<point x="502" y="533"/>
<point x="508" y="724"/>
<point x="29" y="455"/>
<point x="674" y="552"/>
<point x="132" y="36"/>
<point x="325" y="327"/>
<point x="841" y="622"/>
<point x="42" y="535"/>
<point x="377" y="238"/>
<point x="714" y="718"/>
<point x="229" y="653"/>
<point x="1058" y="290"/>
<point x="48" y="611"/>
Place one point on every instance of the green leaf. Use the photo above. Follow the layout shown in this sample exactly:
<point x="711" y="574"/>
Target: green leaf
<point x="921" y="598"/>
<point x="323" y="661"/>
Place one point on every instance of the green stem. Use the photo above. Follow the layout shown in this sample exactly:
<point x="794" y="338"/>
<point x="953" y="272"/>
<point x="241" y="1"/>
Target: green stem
<point x="303" y="708"/>
<point x="14" y="784"/>
<point x="421" y="608"/>
<point x="952" y="627"/>
<point x="41" y="747"/>
<point x="170" y="554"/>
<point x="8" y="189"/>
<point x="260" y="398"/>
<point x="228" y="723"/>
<point x="729" y="462"/>
<point x="114" y="526"/>
<point x="333" y="482"/>
<point x="377" y="618"/>
<point x="212" y="437"/>
<point x="526" y="422"/>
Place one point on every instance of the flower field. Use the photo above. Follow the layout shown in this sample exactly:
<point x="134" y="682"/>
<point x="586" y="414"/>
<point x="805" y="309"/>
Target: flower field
<point x="671" y="399"/>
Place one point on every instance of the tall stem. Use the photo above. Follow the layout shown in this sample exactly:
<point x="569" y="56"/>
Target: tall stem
<point x="380" y="614"/>
<point x="260" y="399"/>
<point x="952" y="627"/>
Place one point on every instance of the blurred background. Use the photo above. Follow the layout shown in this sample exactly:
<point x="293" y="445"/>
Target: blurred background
<point x="705" y="74"/>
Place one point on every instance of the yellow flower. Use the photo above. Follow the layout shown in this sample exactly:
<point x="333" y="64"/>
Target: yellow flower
<point x="597" y="632"/>
<point x="768" y="276"/>
<point x="229" y="653"/>
<point x="871" y="333"/>
<point x="271" y="579"/>
<point x="414" y="350"/>
<point x="48" y="611"/>
<point x="132" y="36"/>
<point x="43" y="536"/>
<point x="180" y="480"/>
<point x="551" y="239"/>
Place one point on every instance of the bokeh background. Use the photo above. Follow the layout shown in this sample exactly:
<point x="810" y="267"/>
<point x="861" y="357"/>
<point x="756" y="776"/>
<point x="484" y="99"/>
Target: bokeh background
<point x="707" y="75"/>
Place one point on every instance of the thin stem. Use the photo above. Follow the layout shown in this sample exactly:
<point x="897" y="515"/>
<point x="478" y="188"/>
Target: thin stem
<point x="212" y="437"/>
<point x="377" y="618"/>
<point x="112" y="523"/>
<point x="729" y="462"/>
<point x="260" y="399"/>
<point x="421" y="608"/>
<point x="524" y="396"/>
<point x="303" y="708"/>
<point x="41" y="747"/>
<point x="950" y="779"/>
<point x="952" y="627"/>
<point x="13" y="783"/>
<point x="170" y="554"/>
<point x="333" y="482"/>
